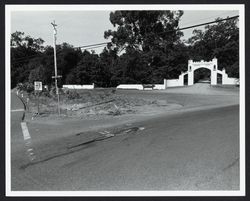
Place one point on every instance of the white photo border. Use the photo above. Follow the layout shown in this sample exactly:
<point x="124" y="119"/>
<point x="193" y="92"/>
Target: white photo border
<point x="105" y="7"/>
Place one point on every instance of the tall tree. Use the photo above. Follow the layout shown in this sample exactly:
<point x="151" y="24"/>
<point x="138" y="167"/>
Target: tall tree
<point x="86" y="71"/>
<point x="108" y="61"/>
<point x="23" y="47"/>
<point x="144" y="30"/>
<point x="220" y="40"/>
<point x="67" y="59"/>
<point x="148" y="40"/>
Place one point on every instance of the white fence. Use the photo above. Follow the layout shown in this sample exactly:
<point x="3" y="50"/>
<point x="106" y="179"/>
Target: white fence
<point x="130" y="86"/>
<point x="172" y="83"/>
<point x="141" y="86"/>
<point x="229" y="80"/>
<point x="159" y="86"/>
<point x="167" y="83"/>
<point x="69" y="86"/>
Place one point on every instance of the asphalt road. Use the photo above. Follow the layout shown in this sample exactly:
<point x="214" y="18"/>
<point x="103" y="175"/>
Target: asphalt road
<point x="191" y="150"/>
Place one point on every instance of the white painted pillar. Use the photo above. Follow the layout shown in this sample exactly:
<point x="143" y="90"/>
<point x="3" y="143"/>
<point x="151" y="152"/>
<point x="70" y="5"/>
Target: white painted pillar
<point x="165" y="83"/>
<point x="181" y="79"/>
<point x="190" y="78"/>
<point x="224" y="76"/>
<point x="190" y="73"/>
<point x="214" y="69"/>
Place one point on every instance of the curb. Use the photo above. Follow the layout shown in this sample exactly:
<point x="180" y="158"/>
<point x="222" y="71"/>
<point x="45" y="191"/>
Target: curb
<point x="23" y="117"/>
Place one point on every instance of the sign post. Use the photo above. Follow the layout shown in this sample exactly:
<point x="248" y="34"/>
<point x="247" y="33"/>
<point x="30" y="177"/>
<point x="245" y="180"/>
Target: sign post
<point x="38" y="87"/>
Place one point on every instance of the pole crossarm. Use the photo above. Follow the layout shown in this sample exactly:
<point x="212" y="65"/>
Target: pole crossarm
<point x="58" y="76"/>
<point x="54" y="26"/>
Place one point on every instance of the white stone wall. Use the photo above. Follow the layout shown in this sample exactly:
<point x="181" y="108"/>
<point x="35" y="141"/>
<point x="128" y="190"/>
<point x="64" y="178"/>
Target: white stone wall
<point x="159" y="86"/>
<point x="140" y="86"/>
<point x="69" y="86"/>
<point x="230" y="81"/>
<point x="173" y="83"/>
<point x="130" y="86"/>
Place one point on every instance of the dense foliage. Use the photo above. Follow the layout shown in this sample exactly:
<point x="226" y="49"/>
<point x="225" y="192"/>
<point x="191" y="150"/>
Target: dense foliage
<point x="220" y="40"/>
<point x="145" y="47"/>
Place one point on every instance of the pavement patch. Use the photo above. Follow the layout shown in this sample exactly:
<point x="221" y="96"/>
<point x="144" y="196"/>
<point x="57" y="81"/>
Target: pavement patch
<point x="128" y="130"/>
<point x="74" y="143"/>
<point x="106" y="136"/>
<point x="18" y="110"/>
<point x="26" y="134"/>
<point x="27" y="140"/>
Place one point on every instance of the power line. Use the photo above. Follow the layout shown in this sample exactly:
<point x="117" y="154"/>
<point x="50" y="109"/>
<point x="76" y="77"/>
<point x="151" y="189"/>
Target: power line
<point x="86" y="46"/>
<point x="189" y="27"/>
<point x="202" y="24"/>
<point x="213" y="16"/>
<point x="23" y="59"/>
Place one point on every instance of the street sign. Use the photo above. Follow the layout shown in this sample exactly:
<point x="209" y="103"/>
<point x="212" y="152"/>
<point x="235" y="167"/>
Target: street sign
<point x="38" y="86"/>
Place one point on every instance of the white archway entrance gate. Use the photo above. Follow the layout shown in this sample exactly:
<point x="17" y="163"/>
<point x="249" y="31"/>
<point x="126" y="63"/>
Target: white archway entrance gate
<point x="192" y="66"/>
<point x="210" y="65"/>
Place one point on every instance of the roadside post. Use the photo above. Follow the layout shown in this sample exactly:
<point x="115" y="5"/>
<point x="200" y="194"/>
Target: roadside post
<point x="28" y="104"/>
<point x="55" y="63"/>
<point x="38" y="87"/>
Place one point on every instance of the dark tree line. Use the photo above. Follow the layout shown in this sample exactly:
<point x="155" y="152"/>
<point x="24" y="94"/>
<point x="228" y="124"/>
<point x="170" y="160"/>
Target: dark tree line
<point x="145" y="47"/>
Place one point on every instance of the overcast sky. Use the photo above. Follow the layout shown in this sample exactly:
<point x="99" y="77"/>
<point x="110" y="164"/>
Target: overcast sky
<point x="80" y="28"/>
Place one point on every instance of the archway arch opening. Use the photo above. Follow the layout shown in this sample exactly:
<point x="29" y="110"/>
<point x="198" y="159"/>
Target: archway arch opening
<point x="202" y="75"/>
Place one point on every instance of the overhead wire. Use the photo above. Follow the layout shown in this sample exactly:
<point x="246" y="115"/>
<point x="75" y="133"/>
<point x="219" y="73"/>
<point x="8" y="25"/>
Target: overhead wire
<point x="213" y="16"/>
<point x="85" y="47"/>
<point x="202" y="24"/>
<point x="89" y="48"/>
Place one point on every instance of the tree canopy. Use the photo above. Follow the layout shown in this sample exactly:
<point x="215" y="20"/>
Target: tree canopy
<point x="220" y="40"/>
<point x="144" y="30"/>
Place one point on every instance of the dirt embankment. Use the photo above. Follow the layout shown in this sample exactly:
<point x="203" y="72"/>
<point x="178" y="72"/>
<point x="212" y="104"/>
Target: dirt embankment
<point x="90" y="104"/>
<point x="104" y="104"/>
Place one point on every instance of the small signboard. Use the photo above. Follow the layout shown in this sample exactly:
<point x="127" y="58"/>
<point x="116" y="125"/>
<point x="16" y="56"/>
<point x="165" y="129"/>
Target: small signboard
<point x="38" y="86"/>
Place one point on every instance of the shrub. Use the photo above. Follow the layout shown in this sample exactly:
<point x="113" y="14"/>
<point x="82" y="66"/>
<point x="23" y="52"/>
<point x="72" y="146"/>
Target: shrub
<point x="72" y="94"/>
<point x="19" y="86"/>
<point x="46" y="94"/>
<point x="28" y="87"/>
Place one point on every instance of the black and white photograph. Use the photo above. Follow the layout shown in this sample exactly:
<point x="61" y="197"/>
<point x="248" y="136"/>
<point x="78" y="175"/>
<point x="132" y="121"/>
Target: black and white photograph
<point x="125" y="100"/>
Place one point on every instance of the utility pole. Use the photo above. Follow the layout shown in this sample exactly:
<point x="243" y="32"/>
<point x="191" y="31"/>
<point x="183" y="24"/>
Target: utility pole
<point x="55" y="63"/>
